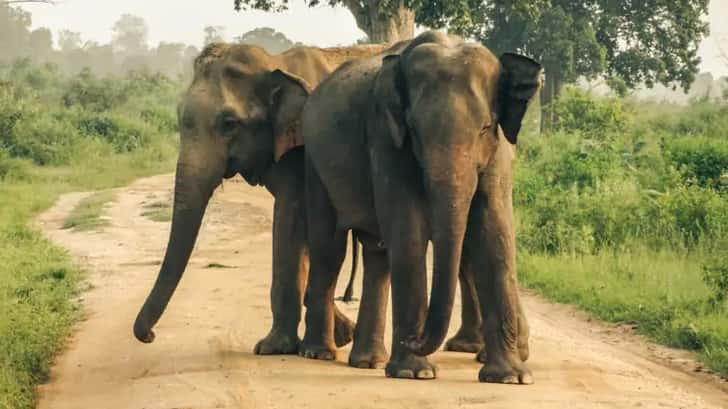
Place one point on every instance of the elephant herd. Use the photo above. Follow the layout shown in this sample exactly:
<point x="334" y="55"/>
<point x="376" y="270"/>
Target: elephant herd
<point x="404" y="146"/>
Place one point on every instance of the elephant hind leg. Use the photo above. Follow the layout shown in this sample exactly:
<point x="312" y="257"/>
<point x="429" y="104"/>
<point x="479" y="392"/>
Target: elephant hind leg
<point x="469" y="337"/>
<point x="369" y="350"/>
<point x="327" y="249"/>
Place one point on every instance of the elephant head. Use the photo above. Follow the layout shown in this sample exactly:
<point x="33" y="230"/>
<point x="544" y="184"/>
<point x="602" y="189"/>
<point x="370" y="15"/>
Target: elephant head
<point x="448" y="102"/>
<point x="239" y="116"/>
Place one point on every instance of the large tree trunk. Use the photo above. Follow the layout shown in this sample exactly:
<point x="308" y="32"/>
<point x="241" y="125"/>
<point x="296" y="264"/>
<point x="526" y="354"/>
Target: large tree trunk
<point x="382" y="27"/>
<point x="549" y="93"/>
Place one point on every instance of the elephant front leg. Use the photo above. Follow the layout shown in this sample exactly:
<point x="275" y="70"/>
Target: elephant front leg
<point x="469" y="337"/>
<point x="290" y="266"/>
<point x="495" y="271"/>
<point x="368" y="350"/>
<point x="407" y="249"/>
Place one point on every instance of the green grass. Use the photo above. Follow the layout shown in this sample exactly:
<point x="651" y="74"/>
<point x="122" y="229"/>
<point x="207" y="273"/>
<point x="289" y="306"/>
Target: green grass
<point x="38" y="281"/>
<point x="160" y="211"/>
<point x="87" y="215"/>
<point x="661" y="293"/>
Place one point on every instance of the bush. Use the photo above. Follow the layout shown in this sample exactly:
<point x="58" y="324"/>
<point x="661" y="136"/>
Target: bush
<point x="124" y="133"/>
<point x="92" y="93"/>
<point x="578" y="110"/>
<point x="702" y="159"/>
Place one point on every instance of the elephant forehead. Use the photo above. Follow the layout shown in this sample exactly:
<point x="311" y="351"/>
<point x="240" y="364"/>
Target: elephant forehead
<point x="245" y="104"/>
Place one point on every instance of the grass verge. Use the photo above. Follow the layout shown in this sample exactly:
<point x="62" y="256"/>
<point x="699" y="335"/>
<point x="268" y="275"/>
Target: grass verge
<point x="160" y="211"/>
<point x="38" y="281"/>
<point x="660" y="293"/>
<point x="87" y="213"/>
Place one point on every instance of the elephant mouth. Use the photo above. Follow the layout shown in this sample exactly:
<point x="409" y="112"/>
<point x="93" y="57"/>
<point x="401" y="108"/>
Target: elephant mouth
<point x="255" y="176"/>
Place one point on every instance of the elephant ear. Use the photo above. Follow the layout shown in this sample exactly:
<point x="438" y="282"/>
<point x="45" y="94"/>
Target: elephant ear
<point x="389" y="100"/>
<point x="520" y="80"/>
<point x="287" y="98"/>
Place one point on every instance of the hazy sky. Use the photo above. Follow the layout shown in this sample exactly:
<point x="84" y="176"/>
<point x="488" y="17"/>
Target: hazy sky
<point x="184" y="20"/>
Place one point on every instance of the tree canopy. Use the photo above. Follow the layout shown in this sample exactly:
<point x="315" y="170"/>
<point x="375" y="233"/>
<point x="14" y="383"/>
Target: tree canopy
<point x="649" y="41"/>
<point x="271" y="40"/>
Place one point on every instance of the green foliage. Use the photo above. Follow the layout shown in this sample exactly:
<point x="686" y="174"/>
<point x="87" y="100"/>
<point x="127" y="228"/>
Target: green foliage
<point x="715" y="276"/>
<point x="269" y="39"/>
<point x="623" y="210"/>
<point x="48" y="148"/>
<point x="595" y="118"/>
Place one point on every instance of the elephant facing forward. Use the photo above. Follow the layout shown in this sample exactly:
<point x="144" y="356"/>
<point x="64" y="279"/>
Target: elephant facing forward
<point x="237" y="117"/>
<point x="412" y="146"/>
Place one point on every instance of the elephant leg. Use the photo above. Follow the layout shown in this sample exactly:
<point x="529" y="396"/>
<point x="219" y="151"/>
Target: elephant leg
<point x="469" y="337"/>
<point x="406" y="247"/>
<point x="290" y="267"/>
<point x="327" y="248"/>
<point x="493" y="248"/>
<point x="368" y="350"/>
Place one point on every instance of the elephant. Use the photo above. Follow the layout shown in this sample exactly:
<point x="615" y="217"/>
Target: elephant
<point x="409" y="147"/>
<point x="237" y="117"/>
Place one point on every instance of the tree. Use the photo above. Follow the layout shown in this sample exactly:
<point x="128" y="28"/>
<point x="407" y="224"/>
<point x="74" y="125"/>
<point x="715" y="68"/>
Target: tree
<point x="69" y="40"/>
<point x="214" y="34"/>
<point x="41" y="42"/>
<point x="649" y="41"/>
<point x="272" y="41"/>
<point x="169" y="58"/>
<point x="383" y="21"/>
<point x="130" y="34"/>
<point x="14" y="32"/>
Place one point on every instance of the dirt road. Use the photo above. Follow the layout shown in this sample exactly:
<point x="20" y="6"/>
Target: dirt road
<point x="202" y="357"/>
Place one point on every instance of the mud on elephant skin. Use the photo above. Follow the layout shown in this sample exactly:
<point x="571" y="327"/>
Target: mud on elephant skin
<point x="414" y="146"/>
<point x="240" y="114"/>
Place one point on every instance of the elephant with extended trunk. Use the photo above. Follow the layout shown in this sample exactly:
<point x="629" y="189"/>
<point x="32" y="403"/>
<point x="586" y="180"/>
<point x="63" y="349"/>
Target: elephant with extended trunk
<point x="239" y="116"/>
<point x="410" y="147"/>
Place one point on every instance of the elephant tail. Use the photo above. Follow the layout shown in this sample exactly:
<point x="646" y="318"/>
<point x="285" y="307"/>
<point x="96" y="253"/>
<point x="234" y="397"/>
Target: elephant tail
<point x="349" y="293"/>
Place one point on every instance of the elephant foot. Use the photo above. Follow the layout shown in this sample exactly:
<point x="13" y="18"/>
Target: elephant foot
<point x="506" y="369"/>
<point x="314" y="350"/>
<point x="465" y="343"/>
<point x="277" y="343"/>
<point x="411" y="367"/>
<point x="343" y="329"/>
<point x="372" y="356"/>
<point x="523" y="351"/>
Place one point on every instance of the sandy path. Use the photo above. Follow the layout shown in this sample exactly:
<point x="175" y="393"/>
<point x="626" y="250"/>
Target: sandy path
<point x="202" y="356"/>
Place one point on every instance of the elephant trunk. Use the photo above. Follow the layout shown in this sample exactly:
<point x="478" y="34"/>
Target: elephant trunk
<point x="193" y="188"/>
<point x="450" y="194"/>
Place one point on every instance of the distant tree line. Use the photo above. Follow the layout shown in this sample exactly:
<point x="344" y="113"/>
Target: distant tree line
<point x="129" y="49"/>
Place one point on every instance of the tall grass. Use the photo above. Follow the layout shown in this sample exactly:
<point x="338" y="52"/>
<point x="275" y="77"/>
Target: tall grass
<point x="623" y="210"/>
<point x="49" y="146"/>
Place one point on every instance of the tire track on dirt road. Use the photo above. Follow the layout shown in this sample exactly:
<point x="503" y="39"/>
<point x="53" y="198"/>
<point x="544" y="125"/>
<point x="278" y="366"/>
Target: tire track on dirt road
<point x="202" y="357"/>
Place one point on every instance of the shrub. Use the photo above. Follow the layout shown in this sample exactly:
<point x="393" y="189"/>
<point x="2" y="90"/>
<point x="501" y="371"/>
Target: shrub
<point x="92" y="93"/>
<point x="702" y="159"/>
<point x="579" y="110"/>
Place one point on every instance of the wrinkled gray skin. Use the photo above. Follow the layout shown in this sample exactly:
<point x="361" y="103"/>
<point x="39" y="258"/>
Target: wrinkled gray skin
<point x="239" y="116"/>
<point x="406" y="149"/>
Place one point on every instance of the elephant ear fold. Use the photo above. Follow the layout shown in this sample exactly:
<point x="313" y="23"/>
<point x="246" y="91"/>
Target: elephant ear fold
<point x="520" y="80"/>
<point x="389" y="104"/>
<point x="287" y="97"/>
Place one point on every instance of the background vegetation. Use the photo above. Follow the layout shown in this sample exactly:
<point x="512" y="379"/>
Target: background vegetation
<point x="622" y="205"/>
<point x="623" y="210"/>
<point x="61" y="133"/>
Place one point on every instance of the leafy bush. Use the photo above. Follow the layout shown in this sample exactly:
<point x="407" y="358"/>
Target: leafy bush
<point x="578" y="110"/>
<point x="92" y="93"/>
<point x="702" y="159"/>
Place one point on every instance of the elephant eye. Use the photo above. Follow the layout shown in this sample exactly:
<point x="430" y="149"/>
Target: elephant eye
<point x="229" y="125"/>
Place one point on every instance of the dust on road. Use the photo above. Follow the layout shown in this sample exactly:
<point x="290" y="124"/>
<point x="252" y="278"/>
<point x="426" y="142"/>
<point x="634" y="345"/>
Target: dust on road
<point x="202" y="357"/>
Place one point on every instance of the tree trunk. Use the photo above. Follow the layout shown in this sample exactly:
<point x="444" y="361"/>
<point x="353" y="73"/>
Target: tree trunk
<point x="549" y="93"/>
<point x="382" y="27"/>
